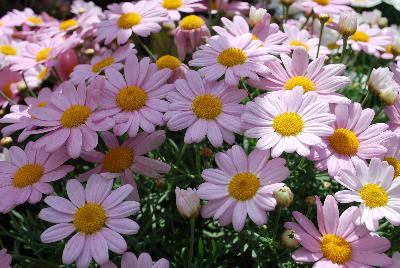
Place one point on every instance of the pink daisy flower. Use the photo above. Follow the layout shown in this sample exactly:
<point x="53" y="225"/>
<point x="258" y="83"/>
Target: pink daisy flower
<point x="134" y="101"/>
<point x="265" y="31"/>
<point x="129" y="260"/>
<point x="97" y="215"/>
<point x="234" y="57"/>
<point x="68" y="121"/>
<point x="330" y="7"/>
<point x="26" y="17"/>
<point x="353" y="140"/>
<point x="141" y="18"/>
<point x="5" y="259"/>
<point x="289" y="122"/>
<point x="100" y="63"/>
<point x="242" y="185"/>
<point x="314" y="76"/>
<point x="28" y="175"/>
<point x="122" y="160"/>
<point x="392" y="155"/>
<point x="174" y="7"/>
<point x="372" y="186"/>
<point x="393" y="112"/>
<point x="178" y="68"/>
<point x="205" y="108"/>
<point x="9" y="48"/>
<point x="339" y="241"/>
<point x="35" y="76"/>
<point x="8" y="86"/>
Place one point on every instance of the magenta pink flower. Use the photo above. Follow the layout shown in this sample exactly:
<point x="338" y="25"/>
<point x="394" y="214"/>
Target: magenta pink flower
<point x="97" y="215"/>
<point x="242" y="185"/>
<point x="205" y="108"/>
<point x="129" y="260"/>
<point x="5" y="259"/>
<point x="28" y="175"/>
<point x="122" y="160"/>
<point x="339" y="241"/>
<point x="330" y="7"/>
<point x="354" y="139"/>
<point x="174" y="7"/>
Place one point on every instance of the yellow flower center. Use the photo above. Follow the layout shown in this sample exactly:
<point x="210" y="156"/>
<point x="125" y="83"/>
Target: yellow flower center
<point x="336" y="248"/>
<point x="322" y="2"/>
<point x="302" y="81"/>
<point x="98" y="66"/>
<point x="231" y="57"/>
<point x="394" y="162"/>
<point x="90" y="218"/>
<point x="35" y="20"/>
<point x="27" y="175"/>
<point x="75" y="116"/>
<point x="360" y="36"/>
<point x="131" y="98"/>
<point x="172" y="4"/>
<point x="206" y="107"/>
<point x="191" y="22"/>
<point x="344" y="141"/>
<point x="374" y="195"/>
<point x="8" y="50"/>
<point x="65" y="25"/>
<point x="7" y="89"/>
<point x="254" y="37"/>
<point x="288" y="124"/>
<point x="42" y="74"/>
<point x="297" y="43"/>
<point x="169" y="62"/>
<point x="41" y="104"/>
<point x="389" y="49"/>
<point x="43" y="54"/>
<point x="118" y="159"/>
<point x="243" y="186"/>
<point x="128" y="20"/>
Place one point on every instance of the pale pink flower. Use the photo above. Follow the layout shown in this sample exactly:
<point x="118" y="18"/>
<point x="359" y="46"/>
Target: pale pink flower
<point x="35" y="76"/>
<point x="339" y="241"/>
<point x="9" y="48"/>
<point x="289" y="122"/>
<point x="129" y="260"/>
<point x="187" y="202"/>
<point x="205" y="108"/>
<point x="5" y="259"/>
<point x="330" y="7"/>
<point x="97" y="215"/>
<point x="354" y="139"/>
<point x="393" y="112"/>
<point x="26" y="17"/>
<point x="28" y="175"/>
<point x="392" y="155"/>
<point x="174" y="7"/>
<point x="242" y="185"/>
<point x="8" y="86"/>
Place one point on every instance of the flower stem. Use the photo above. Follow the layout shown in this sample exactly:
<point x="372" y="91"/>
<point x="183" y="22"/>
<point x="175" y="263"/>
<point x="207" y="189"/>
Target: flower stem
<point x="365" y="100"/>
<point x="142" y="44"/>
<point x="210" y="6"/>
<point x="7" y="98"/>
<point x="320" y="37"/>
<point x="345" y="38"/>
<point x="307" y="19"/>
<point x="192" y="225"/>
<point x="285" y="18"/>
<point x="276" y="223"/>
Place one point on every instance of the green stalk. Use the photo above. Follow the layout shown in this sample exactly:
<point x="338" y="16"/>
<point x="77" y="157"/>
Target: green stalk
<point x="142" y="44"/>
<point x="320" y="37"/>
<point x="345" y="38"/>
<point x="276" y="223"/>
<point x="191" y="246"/>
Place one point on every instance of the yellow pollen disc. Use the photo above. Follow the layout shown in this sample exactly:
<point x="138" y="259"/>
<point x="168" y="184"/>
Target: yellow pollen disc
<point x="34" y="20"/>
<point x="7" y="89"/>
<point x="27" y="175"/>
<point x="336" y="248"/>
<point x="98" y="66"/>
<point x="172" y="4"/>
<point x="394" y="162"/>
<point x="374" y="195"/>
<point x="169" y="62"/>
<point x="75" y="116"/>
<point x="90" y="218"/>
<point x="131" y="98"/>
<point x="302" y="81"/>
<point x="118" y="159"/>
<point x="65" y="25"/>
<point x="128" y="20"/>
<point x="344" y="141"/>
<point x="231" y="57"/>
<point x="41" y="104"/>
<point x="42" y="74"/>
<point x="191" y="22"/>
<point x="288" y="124"/>
<point x="322" y="2"/>
<point x="206" y="107"/>
<point x="297" y="43"/>
<point x="8" y="50"/>
<point x="360" y="36"/>
<point x="43" y="54"/>
<point x="389" y="49"/>
<point x="332" y="45"/>
<point x="243" y="186"/>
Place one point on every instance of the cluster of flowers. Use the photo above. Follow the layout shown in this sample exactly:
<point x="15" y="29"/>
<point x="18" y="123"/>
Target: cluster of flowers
<point x="108" y="92"/>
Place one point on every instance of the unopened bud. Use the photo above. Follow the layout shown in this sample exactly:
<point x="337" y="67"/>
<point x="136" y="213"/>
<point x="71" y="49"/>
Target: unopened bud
<point x="382" y="22"/>
<point x="21" y="86"/>
<point x="6" y="142"/>
<point x="187" y="202"/>
<point x="310" y="200"/>
<point x="348" y="23"/>
<point x="256" y="15"/>
<point x="288" y="239"/>
<point x="327" y="184"/>
<point x="206" y="152"/>
<point x="382" y="84"/>
<point x="2" y="112"/>
<point x="323" y="18"/>
<point x="283" y="196"/>
<point x="287" y="2"/>
<point x="160" y="182"/>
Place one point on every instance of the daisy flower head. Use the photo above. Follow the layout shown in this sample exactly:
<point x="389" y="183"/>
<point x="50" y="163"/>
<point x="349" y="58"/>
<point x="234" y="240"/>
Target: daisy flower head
<point x="123" y="159"/>
<point x="35" y="76"/>
<point x="298" y="72"/>
<point x="8" y="86"/>
<point x="393" y="112"/>
<point x="174" y="7"/>
<point x="97" y="215"/>
<point x="100" y="63"/>
<point x="80" y="6"/>
<point x="141" y="18"/>
<point x="392" y="155"/>
<point x="330" y="7"/>
<point x="234" y="57"/>
<point x="354" y="139"/>
<point x="28" y="175"/>
<point x="338" y="241"/>
<point x="205" y="108"/>
<point x="129" y="260"/>
<point x="242" y="185"/>
<point x="382" y="84"/>
<point x="289" y="122"/>
<point x="9" y="49"/>
<point x="134" y="100"/>
<point x="375" y="189"/>
<point x="5" y="259"/>
<point x="26" y="17"/>
<point x="178" y="68"/>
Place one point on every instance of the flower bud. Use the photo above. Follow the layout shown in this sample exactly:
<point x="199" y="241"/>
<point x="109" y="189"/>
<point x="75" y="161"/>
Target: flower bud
<point x="160" y="182"/>
<point x="288" y="239"/>
<point x="187" y="202"/>
<point x="283" y="196"/>
<point x="310" y="200"/>
<point x="21" y="86"/>
<point x="323" y="18"/>
<point x="206" y="152"/>
<point x="348" y="23"/>
<point x="382" y="22"/>
<point x="66" y="63"/>
<point x="287" y="2"/>
<point x="6" y="142"/>
<point x="382" y="84"/>
<point x="256" y="15"/>
<point x="2" y="112"/>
